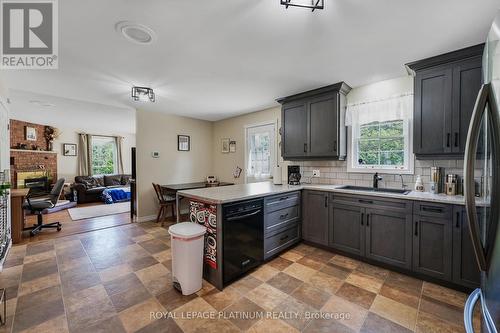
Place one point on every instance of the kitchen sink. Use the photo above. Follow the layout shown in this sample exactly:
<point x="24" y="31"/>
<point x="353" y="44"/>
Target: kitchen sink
<point x="372" y="189"/>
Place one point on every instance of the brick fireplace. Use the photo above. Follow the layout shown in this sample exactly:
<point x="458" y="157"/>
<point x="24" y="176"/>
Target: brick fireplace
<point x="30" y="159"/>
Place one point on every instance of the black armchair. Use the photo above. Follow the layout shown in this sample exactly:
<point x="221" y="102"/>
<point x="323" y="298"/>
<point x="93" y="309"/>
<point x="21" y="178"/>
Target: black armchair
<point x="37" y="203"/>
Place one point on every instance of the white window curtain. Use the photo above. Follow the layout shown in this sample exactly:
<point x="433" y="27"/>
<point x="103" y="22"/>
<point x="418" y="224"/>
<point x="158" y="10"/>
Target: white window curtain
<point x="392" y="108"/>
<point x="260" y="152"/>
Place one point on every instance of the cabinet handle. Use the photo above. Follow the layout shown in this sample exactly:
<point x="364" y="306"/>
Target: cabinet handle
<point x="367" y="220"/>
<point x="282" y="238"/>
<point x="362" y="218"/>
<point x="456" y="139"/>
<point x="335" y="145"/>
<point x="458" y="220"/>
<point x="365" y="201"/>
<point x="432" y="209"/>
<point x="326" y="201"/>
<point x="305" y="147"/>
<point x="416" y="228"/>
<point x="283" y="216"/>
<point x="448" y="140"/>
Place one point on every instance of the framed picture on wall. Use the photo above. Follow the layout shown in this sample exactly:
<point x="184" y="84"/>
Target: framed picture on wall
<point x="225" y="145"/>
<point x="69" y="149"/>
<point x="183" y="142"/>
<point x="30" y="133"/>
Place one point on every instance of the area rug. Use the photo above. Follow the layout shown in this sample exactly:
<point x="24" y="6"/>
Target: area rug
<point x="98" y="210"/>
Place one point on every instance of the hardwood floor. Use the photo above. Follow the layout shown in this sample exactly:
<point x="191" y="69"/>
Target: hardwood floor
<point x="70" y="227"/>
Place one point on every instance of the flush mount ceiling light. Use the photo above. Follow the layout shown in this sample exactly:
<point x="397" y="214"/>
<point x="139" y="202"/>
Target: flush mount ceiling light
<point x="311" y="4"/>
<point x="143" y="94"/>
<point x="135" y="32"/>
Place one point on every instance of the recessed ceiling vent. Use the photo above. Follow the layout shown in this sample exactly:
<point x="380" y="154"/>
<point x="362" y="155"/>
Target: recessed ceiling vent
<point x="311" y="4"/>
<point x="135" y="32"/>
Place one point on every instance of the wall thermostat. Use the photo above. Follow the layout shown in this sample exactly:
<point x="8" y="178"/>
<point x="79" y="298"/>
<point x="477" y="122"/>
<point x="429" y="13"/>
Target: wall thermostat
<point x="155" y="154"/>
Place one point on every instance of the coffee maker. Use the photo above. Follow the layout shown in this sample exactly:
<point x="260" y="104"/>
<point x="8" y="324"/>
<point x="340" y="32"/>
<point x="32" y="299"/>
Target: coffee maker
<point x="294" y="175"/>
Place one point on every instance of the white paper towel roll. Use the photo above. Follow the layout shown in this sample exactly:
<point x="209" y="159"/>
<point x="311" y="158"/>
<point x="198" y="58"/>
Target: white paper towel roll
<point x="277" y="176"/>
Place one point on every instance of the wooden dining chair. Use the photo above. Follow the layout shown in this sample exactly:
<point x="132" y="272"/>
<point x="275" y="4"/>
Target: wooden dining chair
<point x="165" y="199"/>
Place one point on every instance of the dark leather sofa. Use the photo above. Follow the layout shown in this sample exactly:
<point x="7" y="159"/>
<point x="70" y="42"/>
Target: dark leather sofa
<point x="90" y="188"/>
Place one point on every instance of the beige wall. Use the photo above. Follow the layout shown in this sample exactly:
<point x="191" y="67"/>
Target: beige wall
<point x="234" y="129"/>
<point x="158" y="132"/>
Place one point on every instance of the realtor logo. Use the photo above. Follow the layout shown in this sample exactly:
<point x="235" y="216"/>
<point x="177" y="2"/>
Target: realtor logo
<point x="29" y="34"/>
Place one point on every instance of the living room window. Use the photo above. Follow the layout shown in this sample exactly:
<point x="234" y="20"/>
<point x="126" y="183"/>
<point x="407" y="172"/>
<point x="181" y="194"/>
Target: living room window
<point x="104" y="155"/>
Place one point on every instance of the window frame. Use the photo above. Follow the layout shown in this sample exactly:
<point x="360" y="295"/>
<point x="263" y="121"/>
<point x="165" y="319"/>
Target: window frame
<point x="273" y="148"/>
<point x="115" y="155"/>
<point x="408" y="169"/>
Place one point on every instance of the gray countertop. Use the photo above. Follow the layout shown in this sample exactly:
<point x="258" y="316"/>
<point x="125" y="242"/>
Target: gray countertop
<point x="233" y="193"/>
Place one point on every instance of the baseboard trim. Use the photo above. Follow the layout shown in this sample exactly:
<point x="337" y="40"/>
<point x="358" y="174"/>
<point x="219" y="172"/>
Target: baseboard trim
<point x="146" y="218"/>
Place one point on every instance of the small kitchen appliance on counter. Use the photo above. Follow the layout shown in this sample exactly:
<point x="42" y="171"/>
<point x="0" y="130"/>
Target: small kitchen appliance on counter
<point x="294" y="175"/>
<point x="451" y="184"/>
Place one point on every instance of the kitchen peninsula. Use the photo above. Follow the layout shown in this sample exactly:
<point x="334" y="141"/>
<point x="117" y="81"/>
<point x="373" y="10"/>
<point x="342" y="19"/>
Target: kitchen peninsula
<point x="353" y="222"/>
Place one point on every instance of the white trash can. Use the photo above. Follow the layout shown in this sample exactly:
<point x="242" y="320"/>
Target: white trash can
<point x="187" y="256"/>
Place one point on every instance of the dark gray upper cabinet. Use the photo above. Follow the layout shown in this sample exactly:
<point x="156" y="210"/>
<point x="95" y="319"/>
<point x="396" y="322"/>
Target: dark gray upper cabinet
<point x="446" y="88"/>
<point x="315" y="208"/>
<point x="313" y="124"/>
<point x="294" y="140"/>
<point x="465" y="268"/>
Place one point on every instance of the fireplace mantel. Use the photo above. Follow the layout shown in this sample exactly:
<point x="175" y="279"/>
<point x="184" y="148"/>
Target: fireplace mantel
<point x="33" y="151"/>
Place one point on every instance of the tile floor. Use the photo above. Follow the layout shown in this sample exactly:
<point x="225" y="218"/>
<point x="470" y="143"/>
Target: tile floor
<point x="112" y="280"/>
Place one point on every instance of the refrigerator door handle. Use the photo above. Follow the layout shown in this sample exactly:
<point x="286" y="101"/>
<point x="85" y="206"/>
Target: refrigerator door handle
<point x="469" y="310"/>
<point x="469" y="184"/>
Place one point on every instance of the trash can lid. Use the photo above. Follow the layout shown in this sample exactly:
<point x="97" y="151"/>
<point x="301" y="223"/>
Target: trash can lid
<point x="187" y="230"/>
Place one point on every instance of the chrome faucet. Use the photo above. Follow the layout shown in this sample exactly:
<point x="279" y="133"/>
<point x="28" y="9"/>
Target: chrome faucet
<point x="376" y="179"/>
<point x="403" y="185"/>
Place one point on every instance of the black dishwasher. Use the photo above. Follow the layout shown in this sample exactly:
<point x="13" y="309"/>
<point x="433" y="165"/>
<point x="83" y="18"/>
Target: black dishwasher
<point x="243" y="238"/>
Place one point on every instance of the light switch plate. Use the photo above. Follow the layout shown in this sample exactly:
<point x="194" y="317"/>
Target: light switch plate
<point x="316" y="173"/>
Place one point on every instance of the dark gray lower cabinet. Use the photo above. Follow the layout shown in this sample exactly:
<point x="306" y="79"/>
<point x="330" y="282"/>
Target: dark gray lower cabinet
<point x="432" y="246"/>
<point x="388" y="237"/>
<point x="465" y="269"/>
<point x="315" y="208"/>
<point x="346" y="228"/>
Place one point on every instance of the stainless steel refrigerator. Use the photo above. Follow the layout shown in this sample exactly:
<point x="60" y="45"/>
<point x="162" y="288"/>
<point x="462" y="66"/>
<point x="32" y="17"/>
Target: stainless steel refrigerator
<point x="482" y="188"/>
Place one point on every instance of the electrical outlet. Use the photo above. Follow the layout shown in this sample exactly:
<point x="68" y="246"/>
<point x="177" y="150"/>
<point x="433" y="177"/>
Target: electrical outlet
<point x="316" y="173"/>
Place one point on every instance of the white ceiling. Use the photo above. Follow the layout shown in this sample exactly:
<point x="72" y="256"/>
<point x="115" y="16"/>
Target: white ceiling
<point x="219" y="58"/>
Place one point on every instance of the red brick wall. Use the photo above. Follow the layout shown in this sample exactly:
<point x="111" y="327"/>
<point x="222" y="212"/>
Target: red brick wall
<point x="29" y="160"/>
<point x="18" y="135"/>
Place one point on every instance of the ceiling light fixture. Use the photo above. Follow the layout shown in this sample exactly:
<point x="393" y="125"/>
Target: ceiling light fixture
<point x="143" y="94"/>
<point x="314" y="4"/>
<point x="135" y="32"/>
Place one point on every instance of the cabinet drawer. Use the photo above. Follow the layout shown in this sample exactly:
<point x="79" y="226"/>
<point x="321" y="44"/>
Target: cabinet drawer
<point x="372" y="202"/>
<point x="281" y="240"/>
<point x="282" y="201"/>
<point x="281" y="218"/>
<point x="430" y="209"/>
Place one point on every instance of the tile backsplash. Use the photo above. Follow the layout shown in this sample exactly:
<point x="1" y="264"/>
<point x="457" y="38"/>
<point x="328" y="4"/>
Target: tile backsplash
<point x="335" y="173"/>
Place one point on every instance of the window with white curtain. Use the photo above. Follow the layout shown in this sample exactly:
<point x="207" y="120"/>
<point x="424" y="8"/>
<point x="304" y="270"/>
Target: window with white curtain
<point x="260" y="152"/>
<point x="381" y="135"/>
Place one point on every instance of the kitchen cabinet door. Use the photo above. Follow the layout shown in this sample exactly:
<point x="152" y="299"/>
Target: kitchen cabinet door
<point x="315" y="222"/>
<point x="465" y="269"/>
<point x="346" y="228"/>
<point x="294" y="130"/>
<point x="432" y="114"/>
<point x="432" y="246"/>
<point x="389" y="237"/>
<point x="323" y="126"/>
<point x="467" y="79"/>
